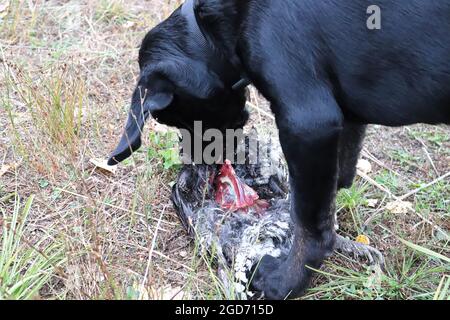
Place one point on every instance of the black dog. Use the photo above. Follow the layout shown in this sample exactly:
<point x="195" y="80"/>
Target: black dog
<point x="326" y="75"/>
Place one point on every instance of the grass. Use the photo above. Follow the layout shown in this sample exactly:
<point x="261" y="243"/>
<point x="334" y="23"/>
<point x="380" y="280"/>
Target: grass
<point x="25" y="268"/>
<point x="111" y="12"/>
<point x="443" y="291"/>
<point x="67" y="69"/>
<point x="415" y="274"/>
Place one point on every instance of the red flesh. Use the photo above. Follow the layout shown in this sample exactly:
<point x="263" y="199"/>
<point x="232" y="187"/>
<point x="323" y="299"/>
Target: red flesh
<point x="233" y="194"/>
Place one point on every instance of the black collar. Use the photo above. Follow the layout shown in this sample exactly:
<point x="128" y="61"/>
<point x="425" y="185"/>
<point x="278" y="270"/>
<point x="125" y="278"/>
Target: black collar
<point x="188" y="11"/>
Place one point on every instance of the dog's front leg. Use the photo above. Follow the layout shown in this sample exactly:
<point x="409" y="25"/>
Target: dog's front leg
<point x="309" y="134"/>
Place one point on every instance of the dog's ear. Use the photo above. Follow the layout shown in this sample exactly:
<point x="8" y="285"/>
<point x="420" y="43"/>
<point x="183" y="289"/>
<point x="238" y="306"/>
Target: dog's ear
<point x="188" y="77"/>
<point x="143" y="103"/>
<point x="155" y="91"/>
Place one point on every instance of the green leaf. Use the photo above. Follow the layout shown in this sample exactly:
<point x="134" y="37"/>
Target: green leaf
<point x="425" y="251"/>
<point x="442" y="292"/>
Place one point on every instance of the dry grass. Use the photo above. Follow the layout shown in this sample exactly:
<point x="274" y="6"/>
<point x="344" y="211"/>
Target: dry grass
<point x="67" y="69"/>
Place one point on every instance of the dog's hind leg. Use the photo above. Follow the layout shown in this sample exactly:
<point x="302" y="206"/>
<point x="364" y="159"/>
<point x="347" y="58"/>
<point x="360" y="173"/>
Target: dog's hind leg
<point x="350" y="146"/>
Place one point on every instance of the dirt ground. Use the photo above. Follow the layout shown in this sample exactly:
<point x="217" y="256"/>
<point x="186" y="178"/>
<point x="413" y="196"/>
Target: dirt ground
<point x="67" y="70"/>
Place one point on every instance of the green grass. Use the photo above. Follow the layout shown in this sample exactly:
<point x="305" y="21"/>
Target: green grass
<point x="433" y="202"/>
<point x="443" y="290"/>
<point x="50" y="123"/>
<point x="19" y="20"/>
<point x="163" y="147"/>
<point x="25" y="268"/>
<point x="412" y="271"/>
<point x="352" y="198"/>
<point x="412" y="276"/>
<point x="436" y="137"/>
<point x="388" y="179"/>
<point x="112" y="12"/>
<point x="405" y="159"/>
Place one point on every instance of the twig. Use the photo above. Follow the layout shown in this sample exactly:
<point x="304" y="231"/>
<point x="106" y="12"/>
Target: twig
<point x="430" y="159"/>
<point x="150" y="254"/>
<point x="172" y="260"/>
<point x="366" y="153"/>
<point x="402" y="198"/>
<point x="425" y="149"/>
<point x="267" y="114"/>
<point x="115" y="207"/>
<point x="376" y="184"/>
<point x="413" y="192"/>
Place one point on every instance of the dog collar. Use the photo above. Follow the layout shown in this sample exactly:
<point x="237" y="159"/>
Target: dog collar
<point x="188" y="11"/>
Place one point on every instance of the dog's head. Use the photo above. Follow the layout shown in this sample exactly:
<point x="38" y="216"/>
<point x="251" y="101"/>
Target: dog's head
<point x="181" y="82"/>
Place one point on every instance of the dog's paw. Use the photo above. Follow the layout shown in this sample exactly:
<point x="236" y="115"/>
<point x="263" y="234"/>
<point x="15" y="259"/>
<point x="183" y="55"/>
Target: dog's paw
<point x="289" y="277"/>
<point x="270" y="280"/>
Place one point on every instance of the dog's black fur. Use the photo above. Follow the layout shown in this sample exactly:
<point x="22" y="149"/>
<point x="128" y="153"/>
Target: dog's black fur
<point x="326" y="75"/>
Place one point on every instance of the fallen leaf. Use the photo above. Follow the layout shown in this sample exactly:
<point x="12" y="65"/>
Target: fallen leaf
<point x="372" y="203"/>
<point x="183" y="254"/>
<point x="4" y="169"/>
<point x="167" y="293"/>
<point x="103" y="164"/>
<point x="364" y="166"/>
<point x="363" y="239"/>
<point x="129" y="24"/>
<point x="375" y="278"/>
<point x="425" y="251"/>
<point x="4" y="9"/>
<point x="157" y="127"/>
<point x="176" y="293"/>
<point x="8" y="167"/>
<point x="399" y="206"/>
<point x="139" y="292"/>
